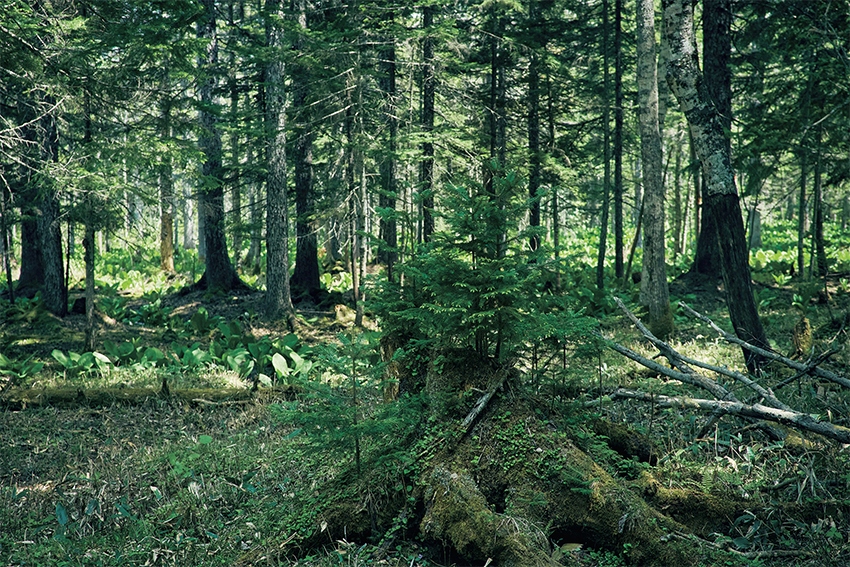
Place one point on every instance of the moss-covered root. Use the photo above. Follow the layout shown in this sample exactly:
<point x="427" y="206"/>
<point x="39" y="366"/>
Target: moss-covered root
<point x="457" y="513"/>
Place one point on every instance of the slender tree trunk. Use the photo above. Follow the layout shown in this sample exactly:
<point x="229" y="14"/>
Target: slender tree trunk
<point x="654" y="289"/>
<point x="278" y="301"/>
<point x="679" y="210"/>
<point x="166" y="191"/>
<point x="618" y="140"/>
<point x="534" y="164"/>
<point x="821" y="265"/>
<point x="389" y="189"/>
<point x="550" y="143"/>
<point x="801" y="213"/>
<point x="188" y="206"/>
<point x="90" y="253"/>
<point x="606" y="151"/>
<point x="91" y="226"/>
<point x="6" y="242"/>
<point x="721" y="194"/>
<point x="426" y="177"/>
<point x="236" y="175"/>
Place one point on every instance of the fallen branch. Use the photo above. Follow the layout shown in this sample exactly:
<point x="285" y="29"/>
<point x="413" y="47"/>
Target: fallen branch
<point x="756" y="411"/>
<point x="682" y="362"/>
<point x="700" y="381"/>
<point x="770" y="355"/>
<point x="484" y="400"/>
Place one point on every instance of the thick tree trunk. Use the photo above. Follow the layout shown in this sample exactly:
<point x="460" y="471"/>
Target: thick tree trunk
<point x="711" y="147"/>
<point x="219" y="273"/>
<point x="717" y="48"/>
<point x="278" y="299"/>
<point x="54" y="292"/>
<point x="654" y="291"/>
<point x="26" y="193"/>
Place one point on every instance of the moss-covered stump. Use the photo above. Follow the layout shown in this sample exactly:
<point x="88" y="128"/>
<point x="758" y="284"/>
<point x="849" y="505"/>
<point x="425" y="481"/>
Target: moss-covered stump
<point x="504" y="487"/>
<point x="456" y="512"/>
<point x="702" y="513"/>
<point x="626" y="441"/>
<point x="513" y="467"/>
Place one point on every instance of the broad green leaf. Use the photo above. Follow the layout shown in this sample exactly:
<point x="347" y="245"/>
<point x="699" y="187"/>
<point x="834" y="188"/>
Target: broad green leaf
<point x="62" y="358"/>
<point x="61" y="514"/>
<point x="280" y="366"/>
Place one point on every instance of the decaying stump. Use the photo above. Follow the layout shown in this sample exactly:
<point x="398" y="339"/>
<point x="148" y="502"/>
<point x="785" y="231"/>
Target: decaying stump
<point x="505" y="486"/>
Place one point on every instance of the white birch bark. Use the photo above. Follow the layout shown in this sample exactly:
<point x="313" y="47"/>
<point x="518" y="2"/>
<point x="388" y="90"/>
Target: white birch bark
<point x="654" y="290"/>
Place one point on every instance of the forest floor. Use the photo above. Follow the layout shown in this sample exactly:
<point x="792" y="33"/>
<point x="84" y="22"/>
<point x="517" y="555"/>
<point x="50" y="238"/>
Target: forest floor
<point x="167" y="482"/>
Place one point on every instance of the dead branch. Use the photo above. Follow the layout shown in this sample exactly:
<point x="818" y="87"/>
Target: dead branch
<point x="700" y="381"/>
<point x="682" y="362"/>
<point x="814" y="370"/>
<point x="482" y="402"/>
<point x="756" y="411"/>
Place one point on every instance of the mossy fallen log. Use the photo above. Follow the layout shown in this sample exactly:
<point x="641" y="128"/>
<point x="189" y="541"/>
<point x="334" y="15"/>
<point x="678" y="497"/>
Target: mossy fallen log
<point x="21" y="398"/>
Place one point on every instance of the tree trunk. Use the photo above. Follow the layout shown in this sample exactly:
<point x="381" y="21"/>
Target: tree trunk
<point x="606" y="152"/>
<point x="305" y="276"/>
<point x="31" y="276"/>
<point x="550" y="143"/>
<point x="54" y="293"/>
<point x="717" y="48"/>
<point x="711" y="147"/>
<point x="426" y="177"/>
<point x="534" y="165"/>
<point x="219" y="273"/>
<point x="821" y="265"/>
<point x="679" y="214"/>
<point x="654" y="291"/>
<point x="90" y="253"/>
<point x="618" y="140"/>
<point x="278" y="301"/>
<point x="801" y="214"/>
<point x="236" y="184"/>
<point x="389" y="186"/>
<point x="166" y="191"/>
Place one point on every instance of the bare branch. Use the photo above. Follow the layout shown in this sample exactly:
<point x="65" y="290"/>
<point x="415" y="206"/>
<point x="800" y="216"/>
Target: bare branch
<point x="770" y="355"/>
<point x="791" y="418"/>
<point x="682" y="362"/>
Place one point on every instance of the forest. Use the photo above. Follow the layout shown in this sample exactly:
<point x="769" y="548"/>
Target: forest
<point x="477" y="282"/>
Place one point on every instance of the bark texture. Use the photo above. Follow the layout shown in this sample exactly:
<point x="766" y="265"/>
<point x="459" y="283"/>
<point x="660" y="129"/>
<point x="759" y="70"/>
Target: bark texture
<point x="219" y="273"/>
<point x="426" y="176"/>
<point x="278" y="298"/>
<point x="305" y="276"/>
<point x="721" y="194"/>
<point x="654" y="290"/>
